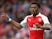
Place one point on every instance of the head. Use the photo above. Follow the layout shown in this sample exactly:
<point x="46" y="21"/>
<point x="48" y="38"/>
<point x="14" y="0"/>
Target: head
<point x="35" y="8"/>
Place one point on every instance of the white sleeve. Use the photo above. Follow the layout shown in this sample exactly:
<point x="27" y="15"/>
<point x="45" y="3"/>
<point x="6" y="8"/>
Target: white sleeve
<point x="24" y="22"/>
<point x="45" y="20"/>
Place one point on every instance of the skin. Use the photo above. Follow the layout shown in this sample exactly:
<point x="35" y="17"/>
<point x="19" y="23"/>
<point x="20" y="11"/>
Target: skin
<point x="35" y="9"/>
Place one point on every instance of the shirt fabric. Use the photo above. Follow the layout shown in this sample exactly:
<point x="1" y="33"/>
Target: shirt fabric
<point x="34" y="32"/>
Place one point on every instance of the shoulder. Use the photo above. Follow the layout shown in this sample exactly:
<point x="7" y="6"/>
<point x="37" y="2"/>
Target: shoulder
<point x="43" y="16"/>
<point x="24" y="22"/>
<point x="25" y="19"/>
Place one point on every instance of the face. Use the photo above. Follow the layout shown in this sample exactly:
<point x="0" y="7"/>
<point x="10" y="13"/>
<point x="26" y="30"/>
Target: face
<point x="34" y="9"/>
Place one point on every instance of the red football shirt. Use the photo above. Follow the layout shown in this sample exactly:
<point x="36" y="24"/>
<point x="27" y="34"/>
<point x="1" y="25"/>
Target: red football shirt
<point x="35" y="33"/>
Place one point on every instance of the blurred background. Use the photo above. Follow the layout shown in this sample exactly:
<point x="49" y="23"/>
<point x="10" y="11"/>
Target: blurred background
<point x="17" y="10"/>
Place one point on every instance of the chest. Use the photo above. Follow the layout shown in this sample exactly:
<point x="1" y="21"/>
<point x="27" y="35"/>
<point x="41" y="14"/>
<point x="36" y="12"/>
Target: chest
<point x="34" y="20"/>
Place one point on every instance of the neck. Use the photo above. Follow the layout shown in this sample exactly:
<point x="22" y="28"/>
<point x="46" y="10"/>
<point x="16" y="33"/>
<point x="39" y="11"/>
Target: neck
<point x="35" y="14"/>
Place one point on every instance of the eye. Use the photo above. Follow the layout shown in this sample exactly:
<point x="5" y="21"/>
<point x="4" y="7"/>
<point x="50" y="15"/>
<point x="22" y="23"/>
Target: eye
<point x="31" y="9"/>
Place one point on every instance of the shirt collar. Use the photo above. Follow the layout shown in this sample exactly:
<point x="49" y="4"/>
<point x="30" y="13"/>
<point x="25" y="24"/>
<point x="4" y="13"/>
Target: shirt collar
<point x="36" y="15"/>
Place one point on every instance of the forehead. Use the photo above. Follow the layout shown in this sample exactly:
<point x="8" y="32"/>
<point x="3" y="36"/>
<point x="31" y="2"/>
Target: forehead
<point x="34" y="5"/>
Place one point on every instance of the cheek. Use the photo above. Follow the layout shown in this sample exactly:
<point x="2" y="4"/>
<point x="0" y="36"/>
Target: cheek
<point x="31" y="9"/>
<point x="36" y="9"/>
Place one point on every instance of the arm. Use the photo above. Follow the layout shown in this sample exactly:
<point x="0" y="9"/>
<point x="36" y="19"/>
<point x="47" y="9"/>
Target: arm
<point x="16" y="24"/>
<point x="45" y="27"/>
<point x="46" y="24"/>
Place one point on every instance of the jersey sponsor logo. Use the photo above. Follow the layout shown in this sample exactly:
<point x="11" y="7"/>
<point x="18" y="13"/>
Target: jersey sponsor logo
<point x="33" y="28"/>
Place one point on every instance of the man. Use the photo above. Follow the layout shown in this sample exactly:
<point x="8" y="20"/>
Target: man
<point x="36" y="22"/>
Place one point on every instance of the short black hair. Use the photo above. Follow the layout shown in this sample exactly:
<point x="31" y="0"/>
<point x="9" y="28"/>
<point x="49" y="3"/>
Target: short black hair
<point x="36" y="4"/>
